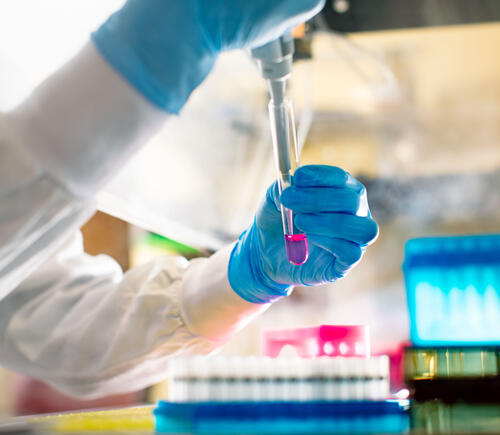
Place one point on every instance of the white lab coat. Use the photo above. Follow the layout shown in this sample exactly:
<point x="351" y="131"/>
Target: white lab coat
<point x="68" y="318"/>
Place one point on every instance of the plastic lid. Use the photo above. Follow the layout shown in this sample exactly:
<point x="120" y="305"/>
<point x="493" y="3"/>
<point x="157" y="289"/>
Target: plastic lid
<point x="452" y="251"/>
<point x="324" y="340"/>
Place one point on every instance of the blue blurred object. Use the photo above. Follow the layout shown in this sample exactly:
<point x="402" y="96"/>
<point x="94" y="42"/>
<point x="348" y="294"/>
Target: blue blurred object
<point x="453" y="290"/>
<point x="282" y="417"/>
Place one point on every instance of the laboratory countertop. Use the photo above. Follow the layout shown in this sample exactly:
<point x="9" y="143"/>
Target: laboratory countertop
<point x="135" y="420"/>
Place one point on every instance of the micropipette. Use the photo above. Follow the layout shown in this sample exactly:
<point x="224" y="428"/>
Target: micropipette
<point x="275" y="62"/>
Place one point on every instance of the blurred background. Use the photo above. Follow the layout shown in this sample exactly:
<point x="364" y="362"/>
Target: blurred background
<point x="415" y="114"/>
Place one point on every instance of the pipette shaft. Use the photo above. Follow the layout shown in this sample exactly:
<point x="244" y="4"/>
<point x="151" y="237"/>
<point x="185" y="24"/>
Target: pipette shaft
<point x="275" y="62"/>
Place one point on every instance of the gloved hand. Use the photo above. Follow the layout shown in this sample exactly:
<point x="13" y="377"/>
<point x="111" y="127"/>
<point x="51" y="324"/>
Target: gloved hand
<point x="165" y="48"/>
<point x="331" y="208"/>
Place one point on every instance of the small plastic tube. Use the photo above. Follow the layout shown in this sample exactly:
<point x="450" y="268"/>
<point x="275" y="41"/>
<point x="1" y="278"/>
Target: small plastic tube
<point x="203" y="389"/>
<point x="284" y="138"/>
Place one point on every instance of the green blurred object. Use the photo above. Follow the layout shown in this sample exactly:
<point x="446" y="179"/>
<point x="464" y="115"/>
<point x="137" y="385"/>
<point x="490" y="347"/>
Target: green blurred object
<point x="148" y="246"/>
<point x="436" y="416"/>
<point x="453" y="374"/>
<point x="454" y="389"/>
<point x="155" y="240"/>
<point x="451" y="362"/>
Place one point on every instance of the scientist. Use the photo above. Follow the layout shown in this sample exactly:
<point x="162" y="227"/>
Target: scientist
<point x="75" y="321"/>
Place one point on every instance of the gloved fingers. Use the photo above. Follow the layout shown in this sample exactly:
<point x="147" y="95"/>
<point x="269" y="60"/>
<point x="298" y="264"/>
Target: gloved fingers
<point x="269" y="214"/>
<point x="325" y="176"/>
<point x="331" y="176"/>
<point x="304" y="8"/>
<point x="319" y="272"/>
<point x="267" y="20"/>
<point x="321" y="199"/>
<point x="360" y="230"/>
<point x="287" y="13"/>
<point x="272" y="197"/>
<point x="335" y="271"/>
<point x="345" y="252"/>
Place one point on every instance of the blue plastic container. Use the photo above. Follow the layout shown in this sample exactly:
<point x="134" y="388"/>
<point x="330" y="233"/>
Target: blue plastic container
<point x="282" y="417"/>
<point x="453" y="290"/>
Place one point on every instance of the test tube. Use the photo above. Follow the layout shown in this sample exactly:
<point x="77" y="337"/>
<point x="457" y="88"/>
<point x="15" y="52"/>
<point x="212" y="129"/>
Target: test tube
<point x="286" y="157"/>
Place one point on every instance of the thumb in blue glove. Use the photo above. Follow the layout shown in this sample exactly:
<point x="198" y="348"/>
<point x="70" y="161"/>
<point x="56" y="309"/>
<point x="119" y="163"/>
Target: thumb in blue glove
<point x="331" y="208"/>
<point x="166" y="48"/>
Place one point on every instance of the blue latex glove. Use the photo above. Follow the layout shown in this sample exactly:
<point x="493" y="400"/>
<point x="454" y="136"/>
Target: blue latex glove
<point x="331" y="207"/>
<point x="166" y="48"/>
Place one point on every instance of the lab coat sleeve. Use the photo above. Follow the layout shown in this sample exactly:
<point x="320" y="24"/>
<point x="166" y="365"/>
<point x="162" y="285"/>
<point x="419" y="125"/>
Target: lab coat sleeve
<point x="84" y="122"/>
<point x="82" y="326"/>
<point x="57" y="149"/>
<point x="74" y="320"/>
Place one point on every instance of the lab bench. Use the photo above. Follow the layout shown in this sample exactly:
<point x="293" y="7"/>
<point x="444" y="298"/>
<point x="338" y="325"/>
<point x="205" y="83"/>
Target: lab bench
<point x="140" y="420"/>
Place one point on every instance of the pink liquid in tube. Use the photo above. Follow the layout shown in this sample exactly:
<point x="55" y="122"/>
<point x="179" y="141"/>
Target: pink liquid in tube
<point x="297" y="250"/>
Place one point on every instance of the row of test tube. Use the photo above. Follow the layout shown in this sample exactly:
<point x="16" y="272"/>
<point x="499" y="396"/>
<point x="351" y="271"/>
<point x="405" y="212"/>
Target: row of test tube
<point x="201" y="379"/>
